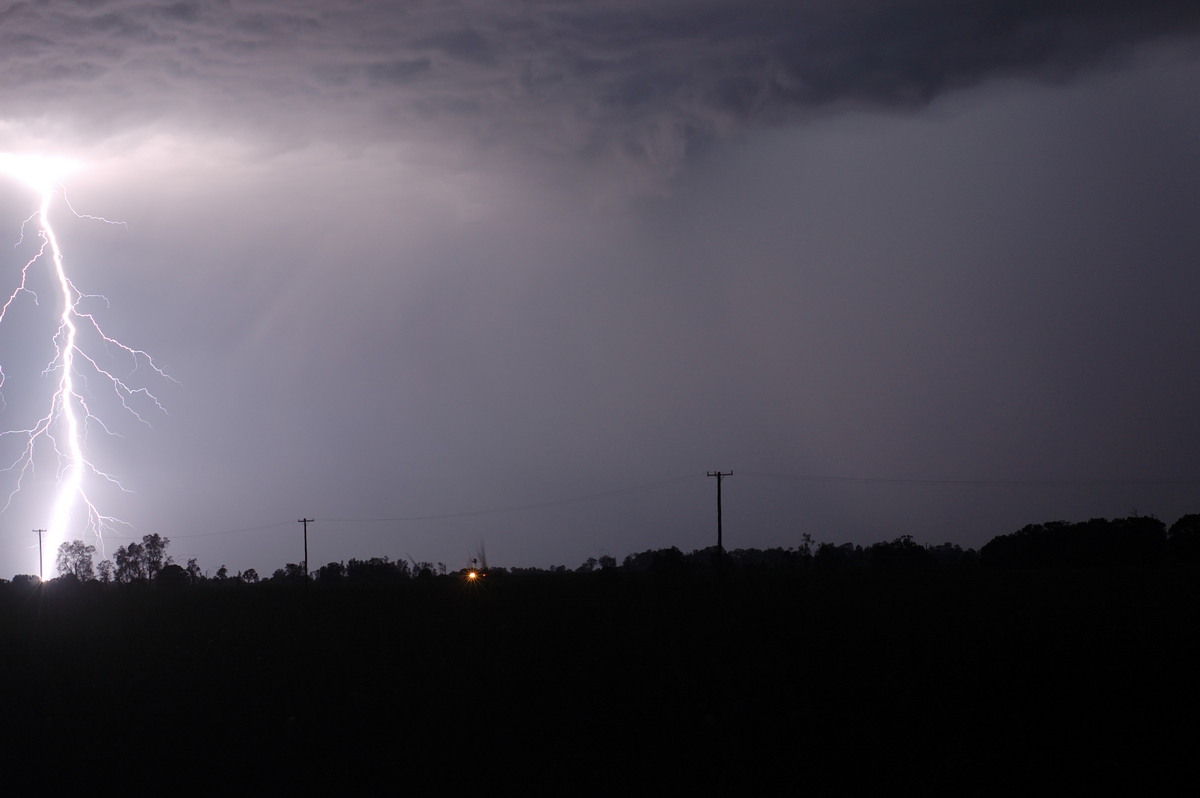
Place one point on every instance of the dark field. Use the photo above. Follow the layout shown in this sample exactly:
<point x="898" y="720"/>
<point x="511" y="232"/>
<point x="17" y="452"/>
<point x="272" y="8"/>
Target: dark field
<point x="948" y="680"/>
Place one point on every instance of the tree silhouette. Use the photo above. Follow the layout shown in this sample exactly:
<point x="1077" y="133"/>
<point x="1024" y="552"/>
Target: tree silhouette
<point x="131" y="563"/>
<point x="1098" y="541"/>
<point x="173" y="577"/>
<point x="1183" y="538"/>
<point x="903" y="552"/>
<point x="154" y="553"/>
<point x="292" y="572"/>
<point x="195" y="575"/>
<point x="76" y="559"/>
<point x="331" y="572"/>
<point x="146" y="560"/>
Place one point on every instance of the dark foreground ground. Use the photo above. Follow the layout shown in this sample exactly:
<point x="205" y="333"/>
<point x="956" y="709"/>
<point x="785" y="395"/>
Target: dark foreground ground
<point x="943" y="681"/>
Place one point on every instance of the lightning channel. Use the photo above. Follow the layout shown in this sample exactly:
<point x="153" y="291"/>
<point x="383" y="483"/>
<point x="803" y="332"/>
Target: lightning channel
<point x="62" y="430"/>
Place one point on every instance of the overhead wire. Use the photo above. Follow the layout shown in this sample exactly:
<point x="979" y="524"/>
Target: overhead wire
<point x="519" y="507"/>
<point x="989" y="483"/>
<point x="828" y="478"/>
<point x="469" y="513"/>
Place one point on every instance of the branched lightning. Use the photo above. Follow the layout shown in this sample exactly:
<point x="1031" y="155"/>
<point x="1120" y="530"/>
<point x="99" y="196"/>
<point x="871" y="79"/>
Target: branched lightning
<point x="63" y="428"/>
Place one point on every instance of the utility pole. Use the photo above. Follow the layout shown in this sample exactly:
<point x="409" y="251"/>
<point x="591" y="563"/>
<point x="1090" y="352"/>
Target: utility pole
<point x="720" y="547"/>
<point x="306" y="522"/>
<point x="39" y="532"/>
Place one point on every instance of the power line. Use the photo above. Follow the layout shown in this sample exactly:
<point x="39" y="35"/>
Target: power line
<point x="987" y="483"/>
<point x="275" y="525"/>
<point x="465" y="514"/>
<point x="830" y="478"/>
<point x="519" y="507"/>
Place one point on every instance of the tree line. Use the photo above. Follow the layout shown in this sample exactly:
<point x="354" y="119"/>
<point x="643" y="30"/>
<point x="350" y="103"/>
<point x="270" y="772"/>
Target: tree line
<point x="144" y="562"/>
<point x="1096" y="542"/>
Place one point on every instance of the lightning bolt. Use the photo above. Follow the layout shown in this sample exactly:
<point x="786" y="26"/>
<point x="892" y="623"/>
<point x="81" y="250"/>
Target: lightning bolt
<point x="63" y="428"/>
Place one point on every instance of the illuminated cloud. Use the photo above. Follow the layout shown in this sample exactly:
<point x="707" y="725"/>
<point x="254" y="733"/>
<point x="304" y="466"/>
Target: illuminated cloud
<point x="615" y="82"/>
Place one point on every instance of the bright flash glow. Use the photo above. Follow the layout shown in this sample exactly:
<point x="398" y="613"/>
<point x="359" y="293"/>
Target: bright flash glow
<point x="472" y="575"/>
<point x="84" y="356"/>
<point x="39" y="172"/>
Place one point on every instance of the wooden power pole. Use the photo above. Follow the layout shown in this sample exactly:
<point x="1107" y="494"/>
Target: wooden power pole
<point x="720" y="546"/>
<point x="41" y="576"/>
<point x="306" y="522"/>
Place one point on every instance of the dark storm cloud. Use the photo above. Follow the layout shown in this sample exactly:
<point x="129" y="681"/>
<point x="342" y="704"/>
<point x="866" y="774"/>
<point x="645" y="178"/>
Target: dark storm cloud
<point x="398" y="72"/>
<point x="609" y="78"/>
<point x="466" y="44"/>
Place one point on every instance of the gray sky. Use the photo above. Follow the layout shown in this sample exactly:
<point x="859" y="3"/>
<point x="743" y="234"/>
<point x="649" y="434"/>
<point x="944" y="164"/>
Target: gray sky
<point x="919" y="268"/>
